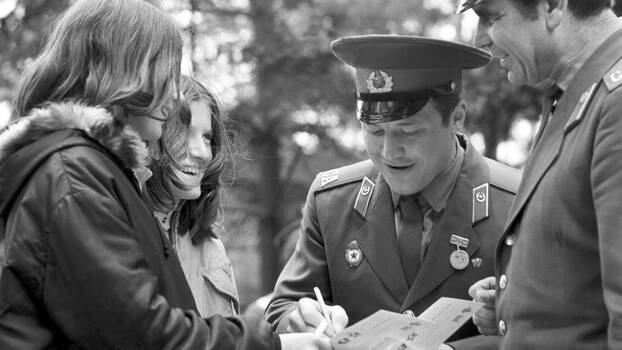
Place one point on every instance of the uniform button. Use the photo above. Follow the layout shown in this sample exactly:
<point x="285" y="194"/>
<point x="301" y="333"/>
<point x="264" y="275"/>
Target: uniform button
<point x="408" y="313"/>
<point x="509" y="240"/>
<point x="502" y="328"/>
<point x="503" y="281"/>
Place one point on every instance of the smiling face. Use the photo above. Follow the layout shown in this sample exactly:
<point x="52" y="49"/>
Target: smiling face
<point x="411" y="152"/>
<point x="519" y="41"/>
<point x="190" y="169"/>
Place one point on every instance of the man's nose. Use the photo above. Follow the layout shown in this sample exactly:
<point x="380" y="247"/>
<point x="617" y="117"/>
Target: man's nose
<point x="392" y="149"/>
<point x="482" y="39"/>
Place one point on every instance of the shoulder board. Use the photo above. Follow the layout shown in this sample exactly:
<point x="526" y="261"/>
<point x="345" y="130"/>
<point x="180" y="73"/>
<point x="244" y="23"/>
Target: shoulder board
<point x="503" y="176"/>
<point x="341" y="176"/>
<point x="613" y="78"/>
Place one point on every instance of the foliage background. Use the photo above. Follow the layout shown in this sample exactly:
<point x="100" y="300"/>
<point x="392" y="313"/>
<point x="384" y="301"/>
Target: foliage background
<point x="289" y="100"/>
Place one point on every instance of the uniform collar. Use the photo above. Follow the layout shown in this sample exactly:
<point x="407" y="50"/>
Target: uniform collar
<point x="439" y="190"/>
<point x="566" y="70"/>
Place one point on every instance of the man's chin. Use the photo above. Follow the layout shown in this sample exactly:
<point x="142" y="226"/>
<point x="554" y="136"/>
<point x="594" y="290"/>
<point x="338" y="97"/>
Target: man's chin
<point x="401" y="189"/>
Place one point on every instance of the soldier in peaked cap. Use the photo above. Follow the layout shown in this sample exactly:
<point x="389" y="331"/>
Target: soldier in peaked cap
<point x="417" y="221"/>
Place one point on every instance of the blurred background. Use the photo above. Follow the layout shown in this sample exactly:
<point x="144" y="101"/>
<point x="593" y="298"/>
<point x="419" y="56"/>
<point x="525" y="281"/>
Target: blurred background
<point x="290" y="101"/>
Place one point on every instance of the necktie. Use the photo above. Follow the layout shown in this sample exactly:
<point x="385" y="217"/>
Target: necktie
<point x="409" y="236"/>
<point x="426" y="226"/>
<point x="552" y="96"/>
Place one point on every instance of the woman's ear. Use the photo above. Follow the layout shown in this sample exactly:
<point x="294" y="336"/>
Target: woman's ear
<point x="457" y="117"/>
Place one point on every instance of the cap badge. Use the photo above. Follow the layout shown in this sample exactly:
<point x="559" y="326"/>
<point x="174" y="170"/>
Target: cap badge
<point x="354" y="254"/>
<point x="379" y="81"/>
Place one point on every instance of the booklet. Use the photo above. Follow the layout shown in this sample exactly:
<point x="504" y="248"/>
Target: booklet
<point x="386" y="330"/>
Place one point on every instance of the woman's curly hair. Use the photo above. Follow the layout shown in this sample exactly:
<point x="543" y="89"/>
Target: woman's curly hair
<point x="195" y="217"/>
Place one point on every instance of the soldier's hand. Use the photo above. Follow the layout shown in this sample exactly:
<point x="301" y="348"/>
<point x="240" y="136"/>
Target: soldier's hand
<point x="307" y="317"/>
<point x="485" y="319"/>
<point x="304" y="341"/>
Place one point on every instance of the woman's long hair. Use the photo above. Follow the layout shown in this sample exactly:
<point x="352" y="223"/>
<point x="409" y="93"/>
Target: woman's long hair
<point x="195" y="217"/>
<point x="124" y="55"/>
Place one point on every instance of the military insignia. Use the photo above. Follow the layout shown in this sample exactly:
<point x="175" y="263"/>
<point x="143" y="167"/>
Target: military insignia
<point x="459" y="259"/>
<point x="459" y="241"/>
<point x="509" y="240"/>
<point x="328" y="177"/>
<point x="613" y="78"/>
<point x="579" y="110"/>
<point x="354" y="254"/>
<point x="480" y="203"/>
<point x="364" y="196"/>
<point x="477" y="262"/>
<point x="379" y="81"/>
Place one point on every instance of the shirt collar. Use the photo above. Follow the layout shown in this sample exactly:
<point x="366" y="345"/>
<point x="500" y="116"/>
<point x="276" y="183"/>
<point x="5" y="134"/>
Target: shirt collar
<point x="438" y="191"/>
<point x="142" y="174"/>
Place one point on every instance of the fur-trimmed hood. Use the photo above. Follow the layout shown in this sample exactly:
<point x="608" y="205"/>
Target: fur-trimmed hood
<point x="21" y="154"/>
<point x="96" y="122"/>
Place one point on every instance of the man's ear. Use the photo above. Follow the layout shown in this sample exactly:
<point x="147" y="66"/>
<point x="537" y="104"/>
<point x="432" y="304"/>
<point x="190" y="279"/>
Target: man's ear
<point x="554" y="12"/>
<point x="457" y="116"/>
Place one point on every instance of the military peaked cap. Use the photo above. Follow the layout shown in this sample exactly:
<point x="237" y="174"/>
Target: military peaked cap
<point x="395" y="75"/>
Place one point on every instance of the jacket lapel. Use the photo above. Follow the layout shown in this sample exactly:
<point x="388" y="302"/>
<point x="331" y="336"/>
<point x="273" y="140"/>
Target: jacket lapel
<point x="549" y="145"/>
<point x="456" y="219"/>
<point x="377" y="241"/>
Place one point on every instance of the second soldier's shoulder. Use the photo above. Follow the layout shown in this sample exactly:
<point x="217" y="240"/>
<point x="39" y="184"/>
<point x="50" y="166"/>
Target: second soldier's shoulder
<point x="338" y="177"/>
<point x="503" y="176"/>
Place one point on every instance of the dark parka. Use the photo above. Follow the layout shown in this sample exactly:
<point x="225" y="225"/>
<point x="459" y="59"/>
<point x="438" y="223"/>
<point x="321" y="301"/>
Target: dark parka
<point x="85" y="263"/>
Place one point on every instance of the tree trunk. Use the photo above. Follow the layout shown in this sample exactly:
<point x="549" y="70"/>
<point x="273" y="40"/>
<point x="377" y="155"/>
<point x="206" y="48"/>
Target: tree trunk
<point x="266" y="148"/>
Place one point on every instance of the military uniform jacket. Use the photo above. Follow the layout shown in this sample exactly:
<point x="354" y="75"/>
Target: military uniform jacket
<point x="331" y="224"/>
<point x="562" y="287"/>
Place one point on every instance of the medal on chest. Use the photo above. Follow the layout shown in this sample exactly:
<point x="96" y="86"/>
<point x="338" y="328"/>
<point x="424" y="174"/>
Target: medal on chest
<point x="354" y="254"/>
<point x="459" y="259"/>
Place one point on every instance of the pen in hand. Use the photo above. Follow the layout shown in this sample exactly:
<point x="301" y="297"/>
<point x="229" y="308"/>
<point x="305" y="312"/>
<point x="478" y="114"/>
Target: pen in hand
<point x="329" y="324"/>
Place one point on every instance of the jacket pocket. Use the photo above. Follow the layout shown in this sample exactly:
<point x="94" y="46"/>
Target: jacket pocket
<point x="223" y="282"/>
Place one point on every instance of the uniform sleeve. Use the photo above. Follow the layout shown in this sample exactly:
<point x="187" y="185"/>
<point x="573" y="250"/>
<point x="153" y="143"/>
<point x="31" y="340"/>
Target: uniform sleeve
<point x="103" y="281"/>
<point x="606" y="175"/>
<point x="306" y="268"/>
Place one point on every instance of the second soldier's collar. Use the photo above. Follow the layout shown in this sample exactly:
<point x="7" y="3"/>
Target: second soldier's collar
<point x="568" y="67"/>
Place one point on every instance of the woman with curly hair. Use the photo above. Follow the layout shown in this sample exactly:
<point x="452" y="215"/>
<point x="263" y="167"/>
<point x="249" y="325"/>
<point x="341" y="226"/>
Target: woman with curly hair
<point x="187" y="163"/>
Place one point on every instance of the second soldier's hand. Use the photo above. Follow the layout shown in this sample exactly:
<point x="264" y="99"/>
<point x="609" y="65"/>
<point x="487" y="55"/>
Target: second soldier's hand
<point x="485" y="319"/>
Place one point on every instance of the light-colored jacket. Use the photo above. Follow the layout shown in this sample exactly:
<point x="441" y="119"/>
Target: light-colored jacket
<point x="210" y="275"/>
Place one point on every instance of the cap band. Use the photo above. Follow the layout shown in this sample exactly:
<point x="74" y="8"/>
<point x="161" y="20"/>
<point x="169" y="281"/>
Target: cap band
<point x="373" y="108"/>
